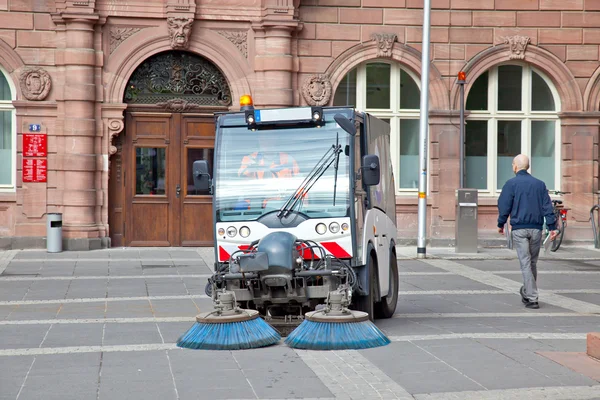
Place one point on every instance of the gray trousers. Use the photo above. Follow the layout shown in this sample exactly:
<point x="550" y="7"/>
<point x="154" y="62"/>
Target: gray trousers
<point x="528" y="243"/>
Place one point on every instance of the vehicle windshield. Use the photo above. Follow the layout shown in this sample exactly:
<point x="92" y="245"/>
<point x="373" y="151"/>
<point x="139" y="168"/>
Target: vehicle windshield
<point x="259" y="171"/>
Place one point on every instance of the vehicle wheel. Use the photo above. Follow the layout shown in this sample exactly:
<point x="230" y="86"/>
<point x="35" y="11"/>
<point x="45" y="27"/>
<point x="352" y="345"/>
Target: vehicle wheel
<point x="365" y="303"/>
<point x="387" y="307"/>
<point x="560" y="224"/>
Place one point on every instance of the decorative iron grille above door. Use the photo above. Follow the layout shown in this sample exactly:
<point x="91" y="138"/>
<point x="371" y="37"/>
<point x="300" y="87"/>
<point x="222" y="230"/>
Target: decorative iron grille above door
<point x="178" y="76"/>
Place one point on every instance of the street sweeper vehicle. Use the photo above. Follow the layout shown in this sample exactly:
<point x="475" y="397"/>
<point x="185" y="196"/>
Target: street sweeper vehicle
<point x="304" y="215"/>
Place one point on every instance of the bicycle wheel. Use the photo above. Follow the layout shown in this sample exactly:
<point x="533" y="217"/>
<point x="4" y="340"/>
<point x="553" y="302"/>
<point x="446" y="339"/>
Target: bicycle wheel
<point x="560" y="225"/>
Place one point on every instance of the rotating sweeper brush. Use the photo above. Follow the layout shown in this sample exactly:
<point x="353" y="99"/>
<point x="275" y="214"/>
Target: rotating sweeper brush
<point x="228" y="327"/>
<point x="336" y="328"/>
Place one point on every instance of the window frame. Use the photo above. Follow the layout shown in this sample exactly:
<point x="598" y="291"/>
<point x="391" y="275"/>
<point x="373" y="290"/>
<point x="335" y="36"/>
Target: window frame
<point x="492" y="115"/>
<point x="7" y="105"/>
<point x="394" y="113"/>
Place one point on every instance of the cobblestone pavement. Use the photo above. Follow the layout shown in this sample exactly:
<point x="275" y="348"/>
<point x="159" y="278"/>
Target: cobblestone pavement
<point x="103" y="325"/>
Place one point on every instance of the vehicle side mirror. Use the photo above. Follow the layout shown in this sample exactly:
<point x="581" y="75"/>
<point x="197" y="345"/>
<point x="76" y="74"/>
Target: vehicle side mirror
<point x="345" y="124"/>
<point x="201" y="175"/>
<point x="371" y="173"/>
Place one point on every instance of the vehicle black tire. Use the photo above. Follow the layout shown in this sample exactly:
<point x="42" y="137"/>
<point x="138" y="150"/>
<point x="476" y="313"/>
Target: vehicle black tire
<point x="560" y="224"/>
<point x="365" y="303"/>
<point x="387" y="306"/>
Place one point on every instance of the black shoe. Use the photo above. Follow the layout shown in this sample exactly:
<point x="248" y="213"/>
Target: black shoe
<point x="523" y="298"/>
<point x="532" y="304"/>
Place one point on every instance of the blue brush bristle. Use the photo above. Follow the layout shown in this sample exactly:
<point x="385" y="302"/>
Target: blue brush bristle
<point x="229" y="336"/>
<point x="311" y="335"/>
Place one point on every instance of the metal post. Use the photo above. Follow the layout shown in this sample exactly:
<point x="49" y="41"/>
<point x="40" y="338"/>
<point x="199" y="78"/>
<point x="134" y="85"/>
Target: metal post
<point x="461" y="82"/>
<point x="423" y="133"/>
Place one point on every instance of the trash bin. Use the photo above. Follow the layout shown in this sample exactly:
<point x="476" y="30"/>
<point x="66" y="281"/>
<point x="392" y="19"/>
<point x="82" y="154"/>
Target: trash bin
<point x="54" y="233"/>
<point x="466" y="221"/>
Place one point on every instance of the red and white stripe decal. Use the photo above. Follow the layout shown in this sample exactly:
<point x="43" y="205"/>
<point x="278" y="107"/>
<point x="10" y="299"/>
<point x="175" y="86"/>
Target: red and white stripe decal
<point x="332" y="248"/>
<point x="223" y="254"/>
<point x="335" y="249"/>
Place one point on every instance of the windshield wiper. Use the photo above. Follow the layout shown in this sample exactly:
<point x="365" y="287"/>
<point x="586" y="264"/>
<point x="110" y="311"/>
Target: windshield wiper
<point x="335" y="166"/>
<point x="332" y="154"/>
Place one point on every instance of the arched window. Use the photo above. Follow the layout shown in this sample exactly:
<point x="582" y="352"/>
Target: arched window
<point x="391" y="93"/>
<point x="8" y="163"/>
<point x="513" y="109"/>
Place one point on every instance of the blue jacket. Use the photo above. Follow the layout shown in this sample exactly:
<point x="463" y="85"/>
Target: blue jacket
<point x="526" y="200"/>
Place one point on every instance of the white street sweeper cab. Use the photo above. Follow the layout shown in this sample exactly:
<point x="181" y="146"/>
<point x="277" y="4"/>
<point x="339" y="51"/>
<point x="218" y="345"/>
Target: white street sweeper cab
<point x="304" y="206"/>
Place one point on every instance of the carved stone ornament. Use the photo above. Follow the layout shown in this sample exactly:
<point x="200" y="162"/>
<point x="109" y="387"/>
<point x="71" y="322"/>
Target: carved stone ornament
<point x="385" y="43"/>
<point x="115" y="126"/>
<point x="239" y="39"/>
<point x="518" y="46"/>
<point x="35" y="83"/>
<point x="178" y="105"/>
<point x="119" y="34"/>
<point x="180" y="29"/>
<point x="316" y="90"/>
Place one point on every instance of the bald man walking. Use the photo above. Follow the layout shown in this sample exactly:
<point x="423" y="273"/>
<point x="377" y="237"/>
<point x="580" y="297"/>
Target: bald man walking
<point x="526" y="200"/>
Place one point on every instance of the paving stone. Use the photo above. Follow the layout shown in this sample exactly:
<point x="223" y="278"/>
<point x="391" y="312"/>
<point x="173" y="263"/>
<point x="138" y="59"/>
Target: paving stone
<point x="126" y="288"/>
<point x="97" y="254"/>
<point x="124" y="254"/>
<point x="442" y="381"/>
<point x="172" y="331"/>
<point x="82" y="310"/>
<point x="68" y="335"/>
<point x="34" y="311"/>
<point x="400" y="327"/>
<point x="128" y="309"/>
<point x="416" y="266"/>
<point x="29" y="254"/>
<point x="87" y="289"/>
<point x="157" y="288"/>
<point x="136" y="375"/>
<point x="22" y="336"/>
<point x="177" y="308"/>
<point x="91" y="268"/>
<point x="11" y="291"/>
<point x="284" y="383"/>
<point x="47" y="290"/>
<point x="12" y="374"/>
<point x="443" y="282"/>
<point x="20" y="268"/>
<point x="5" y="311"/>
<point x="131" y="333"/>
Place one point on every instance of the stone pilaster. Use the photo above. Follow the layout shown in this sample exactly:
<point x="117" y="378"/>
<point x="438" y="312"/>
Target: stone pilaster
<point x="77" y="159"/>
<point x="579" y="172"/>
<point x="112" y="126"/>
<point x="274" y="61"/>
<point x="444" y="172"/>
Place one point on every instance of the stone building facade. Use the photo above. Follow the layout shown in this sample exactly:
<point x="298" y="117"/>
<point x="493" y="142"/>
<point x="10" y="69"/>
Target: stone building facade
<point x="126" y="89"/>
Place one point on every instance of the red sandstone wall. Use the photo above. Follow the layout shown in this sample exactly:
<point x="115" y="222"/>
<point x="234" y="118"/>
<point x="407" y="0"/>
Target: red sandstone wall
<point x="461" y="29"/>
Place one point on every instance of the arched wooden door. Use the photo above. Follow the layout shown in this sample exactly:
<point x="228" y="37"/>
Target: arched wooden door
<point x="169" y="123"/>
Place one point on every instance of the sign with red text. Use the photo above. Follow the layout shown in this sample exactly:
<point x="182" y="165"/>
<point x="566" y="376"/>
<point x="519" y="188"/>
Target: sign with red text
<point x="35" y="170"/>
<point x="35" y="145"/>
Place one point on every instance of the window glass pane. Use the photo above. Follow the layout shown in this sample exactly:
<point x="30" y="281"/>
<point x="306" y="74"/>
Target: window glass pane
<point x="477" y="100"/>
<point x="541" y="96"/>
<point x="542" y="151"/>
<point x="195" y="155"/>
<point x="4" y="88"/>
<point x="509" y="146"/>
<point x="409" y="154"/>
<point x="510" y="79"/>
<point x="410" y="95"/>
<point x="378" y="85"/>
<point x="6" y="148"/>
<point x="150" y="170"/>
<point x="476" y="154"/>
<point x="345" y="94"/>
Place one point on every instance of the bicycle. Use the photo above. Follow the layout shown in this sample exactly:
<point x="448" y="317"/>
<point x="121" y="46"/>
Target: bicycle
<point x="561" y="222"/>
